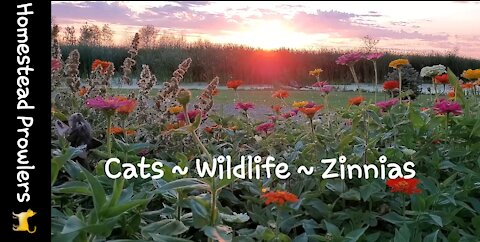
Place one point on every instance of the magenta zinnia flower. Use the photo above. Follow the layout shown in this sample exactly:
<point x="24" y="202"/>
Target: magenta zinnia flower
<point x="192" y="114"/>
<point x="349" y="58"/>
<point x="110" y="103"/>
<point x="385" y="105"/>
<point x="446" y="107"/>
<point x="265" y="127"/>
<point x="374" y="56"/>
<point x="244" y="106"/>
<point x="319" y="84"/>
<point x="288" y="115"/>
<point x="326" y="89"/>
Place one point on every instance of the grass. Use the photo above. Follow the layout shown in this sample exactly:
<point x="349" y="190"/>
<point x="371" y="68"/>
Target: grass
<point x="264" y="97"/>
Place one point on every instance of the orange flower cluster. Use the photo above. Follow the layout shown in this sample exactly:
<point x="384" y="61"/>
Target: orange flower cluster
<point x="234" y="84"/>
<point x="118" y="130"/>
<point x="310" y="112"/>
<point x="102" y="64"/>
<point x="128" y="107"/>
<point x="402" y="185"/>
<point x="282" y="94"/>
<point x="356" y="100"/>
<point x="279" y="197"/>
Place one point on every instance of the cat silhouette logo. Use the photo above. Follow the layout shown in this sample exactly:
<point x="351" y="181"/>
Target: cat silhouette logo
<point x="23" y="221"/>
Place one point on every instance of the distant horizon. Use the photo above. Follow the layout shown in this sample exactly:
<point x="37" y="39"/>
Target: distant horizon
<point x="301" y="26"/>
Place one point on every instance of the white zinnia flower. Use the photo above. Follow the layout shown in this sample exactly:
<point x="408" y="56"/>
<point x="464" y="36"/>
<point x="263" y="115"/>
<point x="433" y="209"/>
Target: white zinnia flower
<point x="431" y="71"/>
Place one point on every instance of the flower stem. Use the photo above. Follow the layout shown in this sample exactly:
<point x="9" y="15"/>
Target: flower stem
<point x="400" y="83"/>
<point x="124" y="126"/>
<point x="355" y="79"/>
<point x="313" y="128"/>
<point x="376" y="79"/>
<point x="109" y="141"/>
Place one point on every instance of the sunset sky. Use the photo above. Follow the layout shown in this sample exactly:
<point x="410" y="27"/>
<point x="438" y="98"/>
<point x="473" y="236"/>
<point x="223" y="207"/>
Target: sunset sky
<point x="412" y="26"/>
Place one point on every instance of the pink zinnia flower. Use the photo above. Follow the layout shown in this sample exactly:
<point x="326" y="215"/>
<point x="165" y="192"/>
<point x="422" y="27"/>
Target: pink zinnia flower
<point x="56" y="65"/>
<point x="446" y="107"/>
<point x="349" y="58"/>
<point x="374" y="56"/>
<point x="265" y="127"/>
<point x="319" y="84"/>
<point x="244" y="106"/>
<point x="326" y="89"/>
<point x="192" y="114"/>
<point x="384" y="105"/>
<point x="288" y="115"/>
<point x="110" y="103"/>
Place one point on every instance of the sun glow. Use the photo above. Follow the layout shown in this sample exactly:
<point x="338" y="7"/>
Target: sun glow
<point x="271" y="34"/>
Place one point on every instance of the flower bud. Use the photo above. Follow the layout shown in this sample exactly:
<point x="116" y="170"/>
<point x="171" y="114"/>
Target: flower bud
<point x="183" y="96"/>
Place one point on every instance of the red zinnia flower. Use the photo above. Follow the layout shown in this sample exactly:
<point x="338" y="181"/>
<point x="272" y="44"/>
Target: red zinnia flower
<point x="310" y="112"/>
<point x="265" y="127"/>
<point x="279" y="197"/>
<point x="280" y="94"/>
<point x="402" y="185"/>
<point x="443" y="79"/>
<point x="390" y="85"/>
<point x="234" y="84"/>
<point x="356" y="100"/>
<point x="244" y="106"/>
<point x="102" y="64"/>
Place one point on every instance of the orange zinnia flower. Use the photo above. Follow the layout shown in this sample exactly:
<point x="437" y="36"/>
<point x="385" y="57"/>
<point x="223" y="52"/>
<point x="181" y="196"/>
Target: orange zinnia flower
<point x="390" y="85"/>
<point x="210" y="129"/>
<point x="103" y="64"/>
<point x="468" y="85"/>
<point x="356" y="100"/>
<point x="310" y="112"/>
<point x="402" y="185"/>
<point x="279" y="197"/>
<point x="82" y="91"/>
<point x="280" y="94"/>
<point x="234" y="84"/>
<point x="451" y="95"/>
<point x="128" y="107"/>
<point x="276" y="108"/>
<point x="118" y="130"/>
<point x="442" y="79"/>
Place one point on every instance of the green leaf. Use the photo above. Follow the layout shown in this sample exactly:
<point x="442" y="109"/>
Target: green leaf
<point x="431" y="237"/>
<point x="219" y="232"/>
<point x="458" y="90"/>
<point x="99" y="196"/>
<point x="368" y="190"/>
<point x="354" y="235"/>
<point x="185" y="183"/>
<point x="165" y="238"/>
<point x="351" y="194"/>
<point x="165" y="227"/>
<point x="416" y="118"/>
<point x="396" y="219"/>
<point x="402" y="235"/>
<point x="73" y="187"/>
<point x="436" y="219"/>
<point x="121" y="208"/>
<point x="200" y="212"/>
<point x="58" y="162"/>
<point x="331" y="228"/>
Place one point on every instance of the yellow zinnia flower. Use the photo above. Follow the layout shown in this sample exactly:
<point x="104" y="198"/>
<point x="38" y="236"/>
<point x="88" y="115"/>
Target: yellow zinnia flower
<point x="315" y="72"/>
<point x="175" y="109"/>
<point x="299" y="104"/>
<point x="471" y="74"/>
<point x="398" y="62"/>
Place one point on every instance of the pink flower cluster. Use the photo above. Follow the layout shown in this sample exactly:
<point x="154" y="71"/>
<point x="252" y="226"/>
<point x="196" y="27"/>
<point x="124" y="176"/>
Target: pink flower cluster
<point x="349" y="58"/>
<point x="446" y="107"/>
<point x="385" y="105"/>
<point x="110" y="103"/>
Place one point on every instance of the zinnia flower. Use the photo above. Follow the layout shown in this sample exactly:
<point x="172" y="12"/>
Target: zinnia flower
<point x="234" y="84"/>
<point x="299" y="104"/>
<point x="265" y="127"/>
<point x="374" y="56"/>
<point x="431" y="71"/>
<point x="276" y="108"/>
<point x="128" y="107"/>
<point x="244" y="106"/>
<point x="391" y="85"/>
<point x="192" y="114"/>
<point x="315" y="72"/>
<point x="398" y="63"/>
<point x="280" y="94"/>
<point x="101" y="64"/>
<point x="402" y="185"/>
<point x="385" y="105"/>
<point x="468" y="85"/>
<point x="356" y="100"/>
<point x="175" y="109"/>
<point x="349" y="58"/>
<point x="111" y="103"/>
<point x="471" y="74"/>
<point x="447" y="107"/>
<point x="442" y="79"/>
<point x="319" y="84"/>
<point x="118" y="130"/>
<point x="451" y="94"/>
<point x="288" y="115"/>
<point x="55" y="65"/>
<point x="210" y="129"/>
<point x="310" y="112"/>
<point x="279" y="197"/>
<point x="326" y="89"/>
